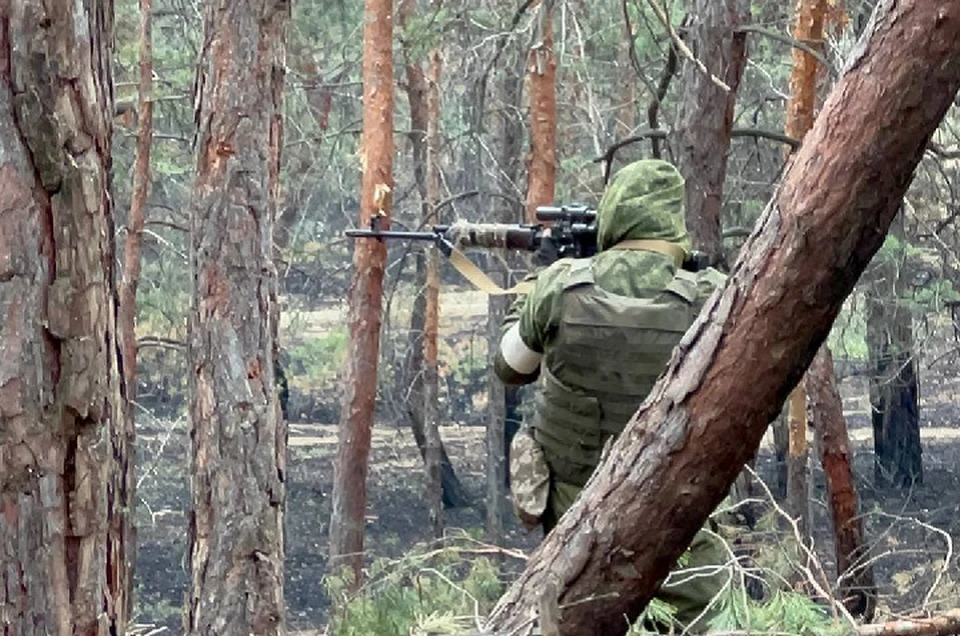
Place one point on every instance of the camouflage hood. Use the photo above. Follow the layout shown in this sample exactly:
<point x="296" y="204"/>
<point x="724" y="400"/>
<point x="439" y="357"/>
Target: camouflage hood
<point x="644" y="200"/>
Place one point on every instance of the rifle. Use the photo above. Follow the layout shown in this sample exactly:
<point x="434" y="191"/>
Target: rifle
<point x="573" y="233"/>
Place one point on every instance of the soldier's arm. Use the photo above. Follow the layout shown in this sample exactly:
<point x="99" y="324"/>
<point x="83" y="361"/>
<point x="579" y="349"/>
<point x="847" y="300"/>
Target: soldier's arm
<point x="513" y="357"/>
<point x="530" y="324"/>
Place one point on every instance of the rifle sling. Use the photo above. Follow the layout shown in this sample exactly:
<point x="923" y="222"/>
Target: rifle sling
<point x="671" y="250"/>
<point x="480" y="280"/>
<point x="484" y="283"/>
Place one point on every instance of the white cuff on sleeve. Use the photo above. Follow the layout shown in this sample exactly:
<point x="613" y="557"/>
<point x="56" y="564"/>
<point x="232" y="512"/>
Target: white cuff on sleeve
<point x="516" y="354"/>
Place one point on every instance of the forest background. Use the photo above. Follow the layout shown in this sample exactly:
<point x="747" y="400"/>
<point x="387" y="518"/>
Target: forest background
<point x="485" y="131"/>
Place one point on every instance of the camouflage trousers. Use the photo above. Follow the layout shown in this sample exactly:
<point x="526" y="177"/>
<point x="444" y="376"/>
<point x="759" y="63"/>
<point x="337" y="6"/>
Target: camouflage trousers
<point x="689" y="595"/>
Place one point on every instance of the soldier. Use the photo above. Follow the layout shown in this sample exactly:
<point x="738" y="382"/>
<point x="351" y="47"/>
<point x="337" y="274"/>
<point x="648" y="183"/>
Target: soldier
<point x="597" y="333"/>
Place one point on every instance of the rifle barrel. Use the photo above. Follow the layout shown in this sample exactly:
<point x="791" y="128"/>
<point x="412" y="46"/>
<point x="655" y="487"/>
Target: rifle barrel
<point x="393" y="234"/>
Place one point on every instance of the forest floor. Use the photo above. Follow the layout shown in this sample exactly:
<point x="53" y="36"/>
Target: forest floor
<point x="908" y="529"/>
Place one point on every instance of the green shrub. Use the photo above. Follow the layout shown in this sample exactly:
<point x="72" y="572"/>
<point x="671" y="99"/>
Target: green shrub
<point x="436" y="591"/>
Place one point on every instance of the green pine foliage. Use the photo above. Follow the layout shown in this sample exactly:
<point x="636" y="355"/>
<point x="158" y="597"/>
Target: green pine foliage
<point x="428" y="591"/>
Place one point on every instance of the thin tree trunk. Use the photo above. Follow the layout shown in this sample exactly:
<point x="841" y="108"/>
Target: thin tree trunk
<point x="798" y="477"/>
<point x="127" y="314"/>
<point x="808" y="29"/>
<point x="677" y="457"/>
<point x="366" y="293"/>
<point x="238" y="439"/>
<point x="781" y="448"/>
<point x="857" y="589"/>
<point x="496" y="455"/>
<point x="431" y="407"/>
<point x="64" y="455"/>
<point x="705" y="119"/>
<point x="542" y="75"/>
<point x="894" y="393"/>
<point x="627" y="76"/>
<point x="502" y="400"/>
<point x="138" y="203"/>
<point x="453" y="492"/>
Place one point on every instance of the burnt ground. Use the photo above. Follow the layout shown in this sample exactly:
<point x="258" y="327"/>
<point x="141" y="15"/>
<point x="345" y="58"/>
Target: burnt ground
<point x="908" y="553"/>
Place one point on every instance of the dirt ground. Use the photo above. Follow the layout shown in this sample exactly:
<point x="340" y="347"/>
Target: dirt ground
<point x="913" y="533"/>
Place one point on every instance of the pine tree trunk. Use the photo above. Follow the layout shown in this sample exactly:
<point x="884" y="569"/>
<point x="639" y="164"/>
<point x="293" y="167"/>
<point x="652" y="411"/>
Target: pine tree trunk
<point x="705" y="118"/>
<point x="366" y="293"/>
<point x="127" y="313"/>
<point x="66" y="460"/>
<point x="238" y="437"/>
<point x="857" y="589"/>
<point x="808" y="28"/>
<point x="542" y="77"/>
<point x="138" y="204"/>
<point x="677" y="457"/>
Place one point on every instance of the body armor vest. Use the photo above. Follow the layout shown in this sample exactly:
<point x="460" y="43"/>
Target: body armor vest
<point x="609" y="351"/>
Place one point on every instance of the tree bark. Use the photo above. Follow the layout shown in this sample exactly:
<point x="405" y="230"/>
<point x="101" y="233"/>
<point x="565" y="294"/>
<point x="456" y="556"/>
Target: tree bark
<point x="542" y="77"/>
<point x="238" y="438"/>
<point x="366" y="293"/>
<point x="735" y="366"/>
<point x="857" y="589"/>
<point x="66" y="462"/>
<point x="705" y="118"/>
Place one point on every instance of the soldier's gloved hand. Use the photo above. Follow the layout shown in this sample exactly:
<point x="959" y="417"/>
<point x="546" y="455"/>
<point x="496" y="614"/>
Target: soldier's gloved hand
<point x="547" y="252"/>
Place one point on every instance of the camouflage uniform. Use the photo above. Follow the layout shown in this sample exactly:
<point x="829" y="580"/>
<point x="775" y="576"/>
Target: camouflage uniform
<point x="605" y="328"/>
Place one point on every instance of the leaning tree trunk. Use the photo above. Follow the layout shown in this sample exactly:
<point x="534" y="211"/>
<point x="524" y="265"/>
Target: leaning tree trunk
<point x="735" y="366"/>
<point x="705" y="119"/>
<point x="366" y="294"/>
<point x="857" y="589"/>
<point x="238" y="438"/>
<point x="65" y="459"/>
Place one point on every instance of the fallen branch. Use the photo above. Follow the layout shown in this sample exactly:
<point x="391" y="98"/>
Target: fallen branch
<point x="944" y="625"/>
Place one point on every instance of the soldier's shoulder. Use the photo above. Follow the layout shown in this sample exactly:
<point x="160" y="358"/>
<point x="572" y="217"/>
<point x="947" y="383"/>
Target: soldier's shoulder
<point x="554" y="277"/>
